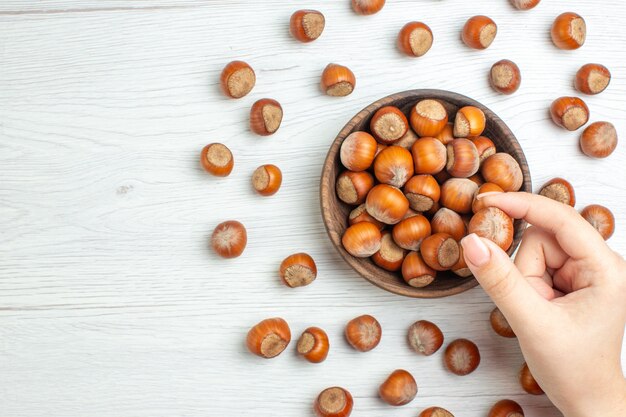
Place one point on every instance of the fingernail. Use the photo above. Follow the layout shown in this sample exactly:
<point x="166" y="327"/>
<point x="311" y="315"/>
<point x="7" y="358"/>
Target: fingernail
<point x="489" y="194"/>
<point x="475" y="250"/>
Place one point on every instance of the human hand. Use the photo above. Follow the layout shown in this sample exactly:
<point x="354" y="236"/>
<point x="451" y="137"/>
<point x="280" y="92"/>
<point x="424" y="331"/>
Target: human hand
<point x="565" y="299"/>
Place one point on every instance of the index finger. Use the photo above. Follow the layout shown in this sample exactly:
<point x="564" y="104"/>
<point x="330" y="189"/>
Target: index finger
<point x="575" y="235"/>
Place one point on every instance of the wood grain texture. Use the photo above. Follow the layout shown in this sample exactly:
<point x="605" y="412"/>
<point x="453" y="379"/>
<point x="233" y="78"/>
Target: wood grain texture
<point x="335" y="212"/>
<point x="112" y="304"/>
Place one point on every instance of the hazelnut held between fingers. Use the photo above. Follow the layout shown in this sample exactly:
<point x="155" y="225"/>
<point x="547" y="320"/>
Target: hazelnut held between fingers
<point x="399" y="388"/>
<point x="298" y="270"/>
<point x="440" y="251"/>
<point x="363" y="333"/>
<point x="237" y="79"/>
<point x="307" y="25"/>
<point x="337" y="81"/>
<point x="229" y="239"/>
<point x="333" y="402"/>
<point x="217" y="159"/>
<point x="269" y="338"/>
<point x="313" y="345"/>
<point x="493" y="224"/>
<point x="266" y="116"/>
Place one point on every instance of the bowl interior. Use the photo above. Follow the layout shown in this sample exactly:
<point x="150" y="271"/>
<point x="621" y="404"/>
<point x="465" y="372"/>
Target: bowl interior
<point x="335" y="212"/>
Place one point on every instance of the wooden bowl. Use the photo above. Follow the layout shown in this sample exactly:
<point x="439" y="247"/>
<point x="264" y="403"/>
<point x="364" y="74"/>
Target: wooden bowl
<point x="335" y="212"/>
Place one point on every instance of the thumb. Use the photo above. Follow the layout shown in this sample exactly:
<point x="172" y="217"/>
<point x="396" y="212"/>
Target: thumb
<point x="501" y="280"/>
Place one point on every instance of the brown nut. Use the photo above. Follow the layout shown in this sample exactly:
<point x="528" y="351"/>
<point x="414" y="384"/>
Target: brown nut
<point x="569" y="113"/>
<point x="415" y="272"/>
<point x="559" y="190"/>
<point x="386" y="204"/>
<point x="360" y="214"/>
<point x="462" y="357"/>
<point x="479" y="32"/>
<point x="363" y="333"/>
<point x="394" y="166"/>
<point x="390" y="256"/>
<point x="267" y="179"/>
<point x="488" y="187"/>
<point x="440" y="251"/>
<point x="353" y="187"/>
<point x="216" y="159"/>
<point x="307" y="25"/>
<point x="362" y="240"/>
<point x="415" y="39"/>
<point x="313" y="345"/>
<point x="411" y="231"/>
<point x="436" y="412"/>
<point x="463" y="158"/>
<point x="503" y="170"/>
<point x="525" y="4"/>
<point x="601" y="218"/>
<point x="269" y="338"/>
<point x="569" y="31"/>
<point x="389" y="125"/>
<point x="592" y="79"/>
<point x="266" y="116"/>
<point x="484" y="146"/>
<point x="333" y="402"/>
<point x="229" y="239"/>
<point x="399" y="388"/>
<point x="599" y="140"/>
<point x="428" y="117"/>
<point x="528" y="382"/>
<point x="506" y="408"/>
<point x="423" y="192"/>
<point x="425" y="337"/>
<point x="429" y="155"/>
<point x="500" y="325"/>
<point x="298" y="270"/>
<point x="237" y="79"/>
<point x="493" y="224"/>
<point x="358" y="151"/>
<point x="505" y="77"/>
<point x="367" y="7"/>
<point x="338" y="81"/>
<point x="469" y="121"/>
<point x="450" y="222"/>
<point x="457" y="194"/>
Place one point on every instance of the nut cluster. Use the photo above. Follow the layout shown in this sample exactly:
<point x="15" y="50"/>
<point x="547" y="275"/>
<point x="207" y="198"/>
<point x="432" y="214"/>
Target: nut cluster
<point x="407" y="215"/>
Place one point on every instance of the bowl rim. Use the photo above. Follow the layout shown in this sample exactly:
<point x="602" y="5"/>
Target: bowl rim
<point x="329" y="161"/>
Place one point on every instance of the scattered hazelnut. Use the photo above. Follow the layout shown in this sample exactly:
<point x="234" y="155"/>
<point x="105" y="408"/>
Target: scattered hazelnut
<point x="237" y="79"/>
<point x="425" y="337"/>
<point x="599" y="140"/>
<point x="298" y="270"/>
<point x="266" y="116"/>
<point x="415" y="39"/>
<point x="217" y="160"/>
<point x="307" y="25"/>
<point x="363" y="333"/>
<point x="337" y="81"/>
<point x="269" y="338"/>
<point x="229" y="239"/>
<point x="462" y="357"/>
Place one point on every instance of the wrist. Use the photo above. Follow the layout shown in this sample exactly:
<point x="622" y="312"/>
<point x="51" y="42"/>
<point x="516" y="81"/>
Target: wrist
<point x="611" y="402"/>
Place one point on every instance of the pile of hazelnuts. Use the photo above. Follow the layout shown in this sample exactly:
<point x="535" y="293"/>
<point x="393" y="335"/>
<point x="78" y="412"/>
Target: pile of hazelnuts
<point x="417" y="189"/>
<point x="270" y="338"/>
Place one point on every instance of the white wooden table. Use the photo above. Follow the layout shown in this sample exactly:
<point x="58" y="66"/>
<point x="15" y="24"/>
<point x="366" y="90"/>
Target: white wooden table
<point x="112" y="304"/>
